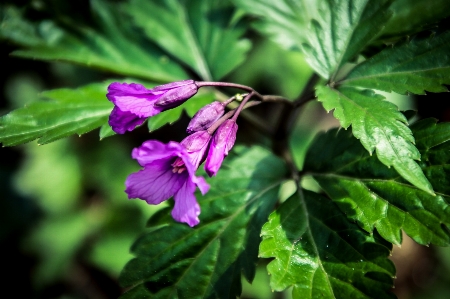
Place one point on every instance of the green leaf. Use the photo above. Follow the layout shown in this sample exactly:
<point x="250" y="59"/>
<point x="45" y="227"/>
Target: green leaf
<point x="433" y="142"/>
<point x="106" y="131"/>
<point x="174" y="260"/>
<point x="375" y="196"/>
<point x="411" y="16"/>
<point x="66" y="112"/>
<point x="109" y="46"/>
<point x="379" y="126"/>
<point x="415" y="66"/>
<point x="340" y="29"/>
<point x="205" y="35"/>
<point x="283" y="21"/>
<point x="321" y="254"/>
<point x="191" y="107"/>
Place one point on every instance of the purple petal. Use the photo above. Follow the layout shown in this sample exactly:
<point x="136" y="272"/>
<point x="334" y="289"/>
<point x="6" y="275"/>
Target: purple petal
<point x="199" y="181"/>
<point x="134" y="98"/>
<point x="153" y="150"/>
<point x="155" y="183"/>
<point x="196" y="146"/>
<point x="215" y="158"/>
<point x="122" y="121"/>
<point x="222" y="142"/>
<point x="201" y="184"/>
<point x="186" y="208"/>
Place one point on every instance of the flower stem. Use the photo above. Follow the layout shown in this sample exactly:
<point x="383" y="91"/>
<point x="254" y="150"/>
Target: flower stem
<point x="241" y="106"/>
<point x="220" y="121"/>
<point x="223" y="84"/>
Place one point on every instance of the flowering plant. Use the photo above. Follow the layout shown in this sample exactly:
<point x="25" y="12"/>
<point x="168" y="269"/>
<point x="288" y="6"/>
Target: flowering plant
<point x="214" y="115"/>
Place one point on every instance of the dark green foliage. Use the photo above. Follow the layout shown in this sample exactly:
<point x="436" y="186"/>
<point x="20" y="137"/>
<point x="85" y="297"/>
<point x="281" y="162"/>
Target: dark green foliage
<point x="174" y="260"/>
<point x="66" y="112"/>
<point x="416" y="66"/>
<point x="321" y="254"/>
<point x="375" y="196"/>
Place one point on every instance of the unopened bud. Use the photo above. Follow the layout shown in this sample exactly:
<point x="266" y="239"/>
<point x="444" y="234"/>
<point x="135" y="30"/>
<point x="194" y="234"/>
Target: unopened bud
<point x="205" y="117"/>
<point x="221" y="144"/>
<point x="175" y="93"/>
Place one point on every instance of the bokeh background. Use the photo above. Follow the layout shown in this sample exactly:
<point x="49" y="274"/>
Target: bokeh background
<point x="65" y="222"/>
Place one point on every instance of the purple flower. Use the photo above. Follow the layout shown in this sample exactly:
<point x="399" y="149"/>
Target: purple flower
<point x="205" y="117"/>
<point x="221" y="143"/>
<point x="196" y="146"/>
<point x="133" y="103"/>
<point x="168" y="171"/>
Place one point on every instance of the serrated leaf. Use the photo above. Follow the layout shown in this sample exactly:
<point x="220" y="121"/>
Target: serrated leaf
<point x="65" y="112"/>
<point x="340" y="29"/>
<point x="112" y="47"/>
<point x="321" y="254"/>
<point x="282" y="21"/>
<point x="190" y="107"/>
<point x="203" y="34"/>
<point x="174" y="260"/>
<point x="379" y="126"/>
<point x="433" y="142"/>
<point x="416" y="66"/>
<point x="375" y="196"/>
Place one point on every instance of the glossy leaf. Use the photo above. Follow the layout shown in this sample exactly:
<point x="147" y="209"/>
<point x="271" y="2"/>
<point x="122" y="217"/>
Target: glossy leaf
<point x="340" y="29"/>
<point x="112" y="47"/>
<point x="375" y="196"/>
<point x="65" y="112"/>
<point x="205" y="35"/>
<point x="379" y="126"/>
<point x="416" y="66"/>
<point x="321" y="254"/>
<point x="174" y="260"/>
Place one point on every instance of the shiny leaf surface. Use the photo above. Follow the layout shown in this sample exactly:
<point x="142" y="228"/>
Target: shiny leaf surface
<point x="379" y="126"/>
<point x="321" y="254"/>
<point x="63" y="112"/>
<point x="376" y="196"/>
<point x="340" y="29"/>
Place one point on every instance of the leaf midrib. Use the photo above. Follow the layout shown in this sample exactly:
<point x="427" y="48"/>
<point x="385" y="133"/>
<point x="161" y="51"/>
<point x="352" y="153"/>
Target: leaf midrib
<point x="381" y="75"/>
<point x="337" y="176"/>
<point x="365" y="111"/>
<point x="309" y="232"/>
<point x="340" y="58"/>
<point x="194" y="44"/>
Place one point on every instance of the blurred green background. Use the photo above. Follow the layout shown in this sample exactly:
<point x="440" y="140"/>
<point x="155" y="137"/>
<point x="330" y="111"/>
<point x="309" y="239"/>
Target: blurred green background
<point x="66" y="223"/>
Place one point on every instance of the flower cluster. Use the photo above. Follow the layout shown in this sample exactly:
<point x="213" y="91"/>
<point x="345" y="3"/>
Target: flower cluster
<point x="169" y="169"/>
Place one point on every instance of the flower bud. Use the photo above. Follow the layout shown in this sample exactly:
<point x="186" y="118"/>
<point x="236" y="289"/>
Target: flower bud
<point x="133" y="103"/>
<point x="221" y="143"/>
<point x="205" y="117"/>
<point x="196" y="146"/>
<point x="175" y="93"/>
